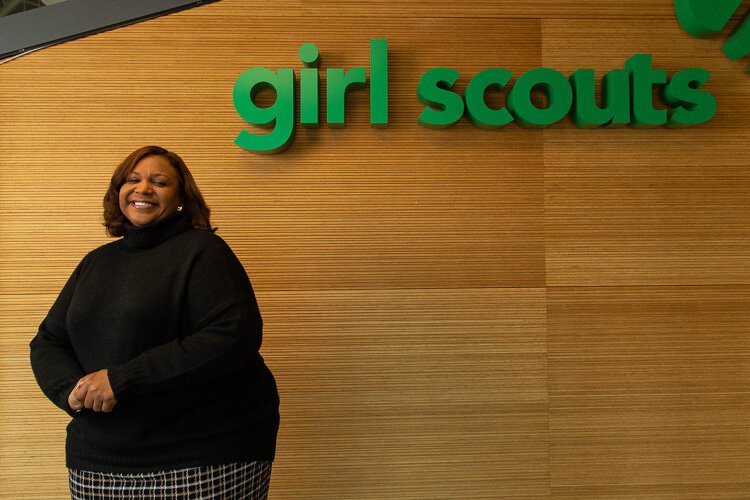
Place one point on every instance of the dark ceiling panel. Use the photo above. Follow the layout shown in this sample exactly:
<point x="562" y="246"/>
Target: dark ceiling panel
<point x="71" y="19"/>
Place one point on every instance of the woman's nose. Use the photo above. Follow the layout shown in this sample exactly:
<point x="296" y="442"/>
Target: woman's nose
<point x="143" y="187"/>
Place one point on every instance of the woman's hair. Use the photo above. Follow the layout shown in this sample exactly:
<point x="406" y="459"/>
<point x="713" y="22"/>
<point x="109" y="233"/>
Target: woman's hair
<point x="194" y="206"/>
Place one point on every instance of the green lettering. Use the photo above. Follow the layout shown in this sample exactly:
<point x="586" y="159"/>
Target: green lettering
<point x="693" y="106"/>
<point x="642" y="80"/>
<point x="615" y="111"/>
<point x="309" y="55"/>
<point x="340" y="83"/>
<point x="558" y="91"/>
<point x="379" y="83"/>
<point x="443" y="107"/>
<point x="479" y="113"/>
<point x="309" y="82"/>
<point x="279" y="116"/>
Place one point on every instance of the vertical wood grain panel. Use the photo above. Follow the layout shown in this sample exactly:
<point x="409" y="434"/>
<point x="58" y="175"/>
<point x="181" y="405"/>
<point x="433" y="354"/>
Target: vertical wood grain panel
<point x="410" y="393"/>
<point x="663" y="206"/>
<point x="649" y="391"/>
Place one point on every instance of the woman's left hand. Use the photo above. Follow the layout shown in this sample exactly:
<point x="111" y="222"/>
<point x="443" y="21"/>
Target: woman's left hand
<point x="96" y="392"/>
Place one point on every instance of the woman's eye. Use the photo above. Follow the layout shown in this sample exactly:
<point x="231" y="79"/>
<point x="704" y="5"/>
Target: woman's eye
<point x="131" y="180"/>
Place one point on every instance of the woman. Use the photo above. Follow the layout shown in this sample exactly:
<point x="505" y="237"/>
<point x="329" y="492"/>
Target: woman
<point x="152" y="348"/>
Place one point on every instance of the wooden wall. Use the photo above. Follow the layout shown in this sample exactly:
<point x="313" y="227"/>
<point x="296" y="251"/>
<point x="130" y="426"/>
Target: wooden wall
<point x="460" y="313"/>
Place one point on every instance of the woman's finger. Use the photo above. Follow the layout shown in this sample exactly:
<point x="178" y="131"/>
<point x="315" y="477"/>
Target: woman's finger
<point x="74" y="403"/>
<point x="81" y="389"/>
<point x="108" y="405"/>
<point x="89" y="401"/>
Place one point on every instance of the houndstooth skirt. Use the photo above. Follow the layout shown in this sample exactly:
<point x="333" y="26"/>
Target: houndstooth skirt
<point x="242" y="480"/>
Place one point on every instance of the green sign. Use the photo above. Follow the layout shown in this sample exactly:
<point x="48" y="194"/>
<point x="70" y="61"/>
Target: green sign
<point x="705" y="18"/>
<point x="280" y="115"/>
<point x="627" y="97"/>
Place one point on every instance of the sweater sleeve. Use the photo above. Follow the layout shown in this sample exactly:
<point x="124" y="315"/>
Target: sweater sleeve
<point x="225" y="330"/>
<point x="53" y="360"/>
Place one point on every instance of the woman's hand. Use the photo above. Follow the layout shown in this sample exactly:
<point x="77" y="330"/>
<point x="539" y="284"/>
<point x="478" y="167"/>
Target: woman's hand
<point x="93" y="392"/>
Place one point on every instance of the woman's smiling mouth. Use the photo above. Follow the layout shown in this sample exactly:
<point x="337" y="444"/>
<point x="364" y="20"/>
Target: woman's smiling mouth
<point x="142" y="204"/>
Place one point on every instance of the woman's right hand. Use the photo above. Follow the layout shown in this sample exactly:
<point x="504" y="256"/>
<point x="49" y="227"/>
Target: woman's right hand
<point x="94" y="392"/>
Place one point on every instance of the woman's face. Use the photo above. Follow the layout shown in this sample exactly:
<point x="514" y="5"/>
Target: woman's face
<point x="151" y="191"/>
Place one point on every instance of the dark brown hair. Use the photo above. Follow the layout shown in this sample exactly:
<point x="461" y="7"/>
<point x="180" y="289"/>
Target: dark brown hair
<point x="194" y="206"/>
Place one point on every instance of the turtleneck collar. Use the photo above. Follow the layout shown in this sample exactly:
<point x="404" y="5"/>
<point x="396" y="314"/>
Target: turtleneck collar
<point x="137" y="238"/>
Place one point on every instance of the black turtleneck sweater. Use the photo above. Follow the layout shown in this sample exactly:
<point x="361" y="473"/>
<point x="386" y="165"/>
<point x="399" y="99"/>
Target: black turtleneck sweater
<point x="170" y="312"/>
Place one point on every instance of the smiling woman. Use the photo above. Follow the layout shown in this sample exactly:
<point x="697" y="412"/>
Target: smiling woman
<point x="151" y="192"/>
<point x="153" y="347"/>
<point x="149" y="185"/>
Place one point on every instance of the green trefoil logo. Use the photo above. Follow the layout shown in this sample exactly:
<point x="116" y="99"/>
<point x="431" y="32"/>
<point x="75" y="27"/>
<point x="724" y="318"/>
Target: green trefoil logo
<point x="705" y="18"/>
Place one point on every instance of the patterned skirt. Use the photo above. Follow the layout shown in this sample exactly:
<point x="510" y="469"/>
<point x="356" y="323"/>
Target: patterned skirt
<point x="242" y="480"/>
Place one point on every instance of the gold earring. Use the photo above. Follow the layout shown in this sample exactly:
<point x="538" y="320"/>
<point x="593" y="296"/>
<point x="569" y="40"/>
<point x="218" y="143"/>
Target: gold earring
<point x="179" y="208"/>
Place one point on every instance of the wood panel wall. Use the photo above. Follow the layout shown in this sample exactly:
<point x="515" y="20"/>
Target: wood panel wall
<point x="460" y="313"/>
